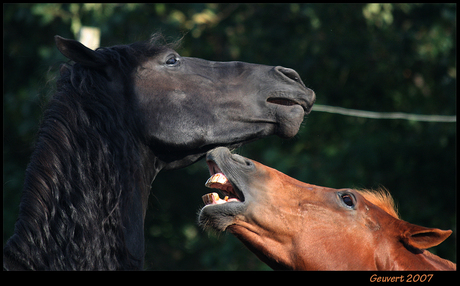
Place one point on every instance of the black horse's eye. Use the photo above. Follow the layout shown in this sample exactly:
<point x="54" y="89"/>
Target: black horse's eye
<point x="348" y="200"/>
<point x="172" y="61"/>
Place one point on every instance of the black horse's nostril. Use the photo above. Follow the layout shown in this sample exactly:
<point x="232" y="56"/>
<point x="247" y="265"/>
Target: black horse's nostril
<point x="289" y="73"/>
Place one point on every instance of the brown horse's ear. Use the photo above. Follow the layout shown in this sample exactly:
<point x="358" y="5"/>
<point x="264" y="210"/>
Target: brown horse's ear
<point x="421" y="237"/>
<point x="79" y="53"/>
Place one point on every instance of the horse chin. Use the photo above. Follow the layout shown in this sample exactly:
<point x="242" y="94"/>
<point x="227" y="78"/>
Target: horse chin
<point x="220" y="216"/>
<point x="289" y="120"/>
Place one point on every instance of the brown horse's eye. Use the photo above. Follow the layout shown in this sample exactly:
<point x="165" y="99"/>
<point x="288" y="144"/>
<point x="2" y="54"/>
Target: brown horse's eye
<point x="348" y="200"/>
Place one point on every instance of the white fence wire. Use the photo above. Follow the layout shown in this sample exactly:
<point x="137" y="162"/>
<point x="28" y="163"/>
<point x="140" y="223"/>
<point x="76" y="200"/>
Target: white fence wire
<point x="383" y="115"/>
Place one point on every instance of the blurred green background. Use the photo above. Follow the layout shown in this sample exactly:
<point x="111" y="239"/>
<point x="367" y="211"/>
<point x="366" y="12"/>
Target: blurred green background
<point x="375" y="57"/>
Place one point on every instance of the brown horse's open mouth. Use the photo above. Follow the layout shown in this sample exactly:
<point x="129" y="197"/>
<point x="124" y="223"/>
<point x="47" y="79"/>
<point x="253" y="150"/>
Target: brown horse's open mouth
<point x="219" y="181"/>
<point x="230" y="174"/>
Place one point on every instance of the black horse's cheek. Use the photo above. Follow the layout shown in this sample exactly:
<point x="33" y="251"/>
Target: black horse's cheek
<point x="289" y="121"/>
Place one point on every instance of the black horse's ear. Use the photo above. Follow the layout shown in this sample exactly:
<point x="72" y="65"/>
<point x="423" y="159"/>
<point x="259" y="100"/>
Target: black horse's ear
<point x="79" y="53"/>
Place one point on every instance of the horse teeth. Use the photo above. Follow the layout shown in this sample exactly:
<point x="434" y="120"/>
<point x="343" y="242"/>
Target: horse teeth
<point x="210" y="198"/>
<point x="213" y="199"/>
<point x="218" y="178"/>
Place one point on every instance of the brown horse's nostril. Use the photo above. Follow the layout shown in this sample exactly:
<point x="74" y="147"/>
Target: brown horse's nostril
<point x="289" y="73"/>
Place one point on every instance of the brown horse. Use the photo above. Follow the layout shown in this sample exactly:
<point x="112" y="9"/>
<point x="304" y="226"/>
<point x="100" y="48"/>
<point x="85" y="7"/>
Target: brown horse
<point x="289" y="224"/>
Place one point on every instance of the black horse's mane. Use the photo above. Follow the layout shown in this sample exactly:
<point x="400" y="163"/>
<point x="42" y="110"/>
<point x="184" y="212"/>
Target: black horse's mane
<point x="85" y="167"/>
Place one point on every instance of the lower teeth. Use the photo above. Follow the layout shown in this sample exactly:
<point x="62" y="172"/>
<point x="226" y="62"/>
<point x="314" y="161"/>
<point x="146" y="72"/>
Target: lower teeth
<point x="213" y="198"/>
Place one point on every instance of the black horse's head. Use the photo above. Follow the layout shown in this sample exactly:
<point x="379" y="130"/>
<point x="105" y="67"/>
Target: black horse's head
<point x="188" y="106"/>
<point x="193" y="105"/>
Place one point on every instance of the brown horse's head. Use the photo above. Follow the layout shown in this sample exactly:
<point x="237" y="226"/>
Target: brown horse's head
<point x="294" y="225"/>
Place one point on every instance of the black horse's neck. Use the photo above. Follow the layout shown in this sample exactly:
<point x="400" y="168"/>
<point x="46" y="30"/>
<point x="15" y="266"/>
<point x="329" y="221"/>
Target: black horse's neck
<point x="85" y="191"/>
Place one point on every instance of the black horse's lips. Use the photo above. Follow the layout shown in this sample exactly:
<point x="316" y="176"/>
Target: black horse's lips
<point x="290" y="102"/>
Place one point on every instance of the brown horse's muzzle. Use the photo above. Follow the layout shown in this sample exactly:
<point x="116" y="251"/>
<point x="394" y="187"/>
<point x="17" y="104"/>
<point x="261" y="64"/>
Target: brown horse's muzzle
<point x="230" y="174"/>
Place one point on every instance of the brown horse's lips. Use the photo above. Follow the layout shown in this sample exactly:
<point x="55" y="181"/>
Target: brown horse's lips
<point x="219" y="181"/>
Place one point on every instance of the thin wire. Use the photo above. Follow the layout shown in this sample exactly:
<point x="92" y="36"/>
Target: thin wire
<point x="383" y="115"/>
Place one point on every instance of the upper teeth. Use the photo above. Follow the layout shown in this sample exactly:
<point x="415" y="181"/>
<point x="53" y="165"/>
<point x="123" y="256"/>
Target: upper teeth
<point x="218" y="178"/>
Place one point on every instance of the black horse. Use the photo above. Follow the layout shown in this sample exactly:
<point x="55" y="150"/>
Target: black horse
<point x="119" y="116"/>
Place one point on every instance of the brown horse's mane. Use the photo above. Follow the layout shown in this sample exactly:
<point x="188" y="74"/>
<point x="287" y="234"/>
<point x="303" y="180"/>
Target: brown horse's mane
<point x="381" y="198"/>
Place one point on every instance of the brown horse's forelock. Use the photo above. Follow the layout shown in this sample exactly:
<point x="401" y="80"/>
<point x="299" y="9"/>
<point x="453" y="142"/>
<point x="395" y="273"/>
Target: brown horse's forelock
<point x="381" y="198"/>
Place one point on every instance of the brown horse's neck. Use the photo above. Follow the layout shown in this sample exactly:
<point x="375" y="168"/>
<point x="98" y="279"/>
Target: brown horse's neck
<point x="401" y="258"/>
